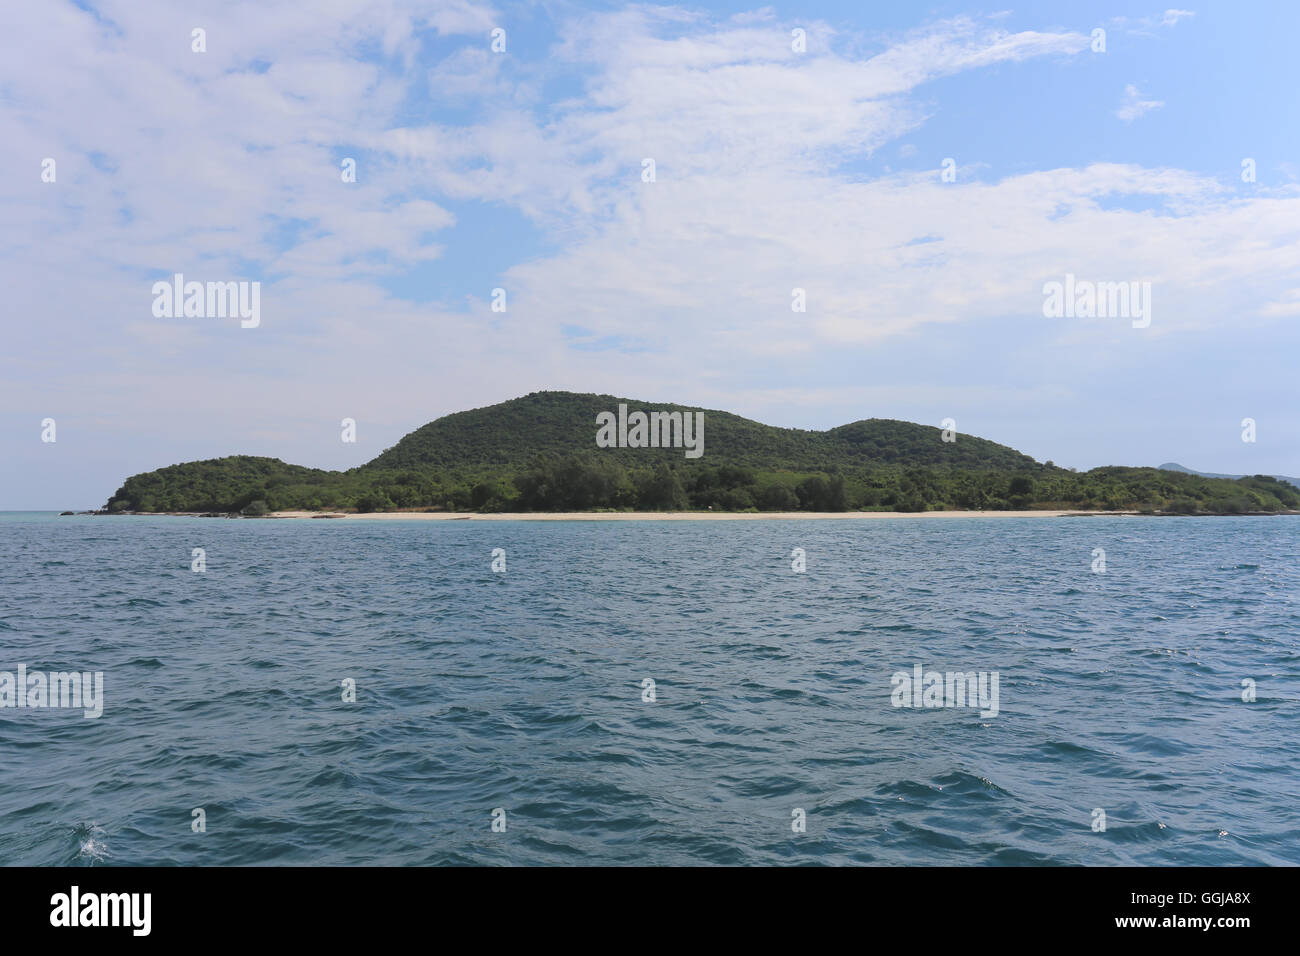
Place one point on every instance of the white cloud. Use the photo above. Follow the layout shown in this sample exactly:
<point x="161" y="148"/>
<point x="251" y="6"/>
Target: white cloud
<point x="1149" y="26"/>
<point x="1134" y="106"/>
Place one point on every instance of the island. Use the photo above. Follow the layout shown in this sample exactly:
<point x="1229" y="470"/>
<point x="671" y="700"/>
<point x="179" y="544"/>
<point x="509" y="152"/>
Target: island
<point x="540" y="454"/>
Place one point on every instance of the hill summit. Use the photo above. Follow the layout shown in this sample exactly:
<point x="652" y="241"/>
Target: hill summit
<point x="563" y="423"/>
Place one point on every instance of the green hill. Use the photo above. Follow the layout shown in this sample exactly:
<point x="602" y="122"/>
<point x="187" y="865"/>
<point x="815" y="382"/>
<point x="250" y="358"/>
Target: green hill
<point x="539" y="453"/>
<point x="560" y="423"/>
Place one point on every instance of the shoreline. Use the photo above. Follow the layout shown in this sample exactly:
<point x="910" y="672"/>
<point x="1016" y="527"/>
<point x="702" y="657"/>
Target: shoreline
<point x="680" y="515"/>
<point x="668" y="515"/>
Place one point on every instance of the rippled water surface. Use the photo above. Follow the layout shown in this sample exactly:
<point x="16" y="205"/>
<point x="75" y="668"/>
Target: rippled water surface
<point x="476" y="690"/>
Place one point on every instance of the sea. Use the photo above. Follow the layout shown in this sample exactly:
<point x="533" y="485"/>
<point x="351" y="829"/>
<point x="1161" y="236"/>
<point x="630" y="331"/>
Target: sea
<point x="394" y="692"/>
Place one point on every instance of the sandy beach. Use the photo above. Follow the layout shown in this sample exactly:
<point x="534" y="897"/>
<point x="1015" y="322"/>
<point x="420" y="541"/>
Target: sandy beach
<point x="679" y="515"/>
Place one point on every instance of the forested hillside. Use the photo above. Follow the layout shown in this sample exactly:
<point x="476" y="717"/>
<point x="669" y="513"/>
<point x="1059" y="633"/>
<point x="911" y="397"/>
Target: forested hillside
<point x="539" y="453"/>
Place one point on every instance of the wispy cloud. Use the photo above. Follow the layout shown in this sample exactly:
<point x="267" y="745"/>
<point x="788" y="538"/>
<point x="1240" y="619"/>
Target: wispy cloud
<point x="1134" y="106"/>
<point x="1149" y="26"/>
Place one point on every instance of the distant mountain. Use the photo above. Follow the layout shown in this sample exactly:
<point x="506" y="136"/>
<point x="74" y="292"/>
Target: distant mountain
<point x="540" y="452"/>
<point x="1173" y="466"/>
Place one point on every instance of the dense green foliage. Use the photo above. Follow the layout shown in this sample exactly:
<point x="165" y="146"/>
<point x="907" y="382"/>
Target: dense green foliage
<point x="558" y="424"/>
<point x="538" y="453"/>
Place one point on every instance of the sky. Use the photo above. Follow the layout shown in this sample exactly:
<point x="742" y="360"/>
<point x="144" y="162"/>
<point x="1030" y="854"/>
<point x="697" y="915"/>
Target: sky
<point x="921" y="172"/>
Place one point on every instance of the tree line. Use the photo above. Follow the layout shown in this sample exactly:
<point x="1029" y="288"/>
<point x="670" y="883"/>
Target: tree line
<point x="592" y="481"/>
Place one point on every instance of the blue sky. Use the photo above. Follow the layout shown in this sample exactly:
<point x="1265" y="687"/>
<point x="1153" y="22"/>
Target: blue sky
<point x="521" y="169"/>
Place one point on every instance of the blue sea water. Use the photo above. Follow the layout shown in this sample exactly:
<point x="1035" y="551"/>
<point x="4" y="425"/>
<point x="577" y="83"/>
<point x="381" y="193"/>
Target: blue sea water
<point x="523" y="691"/>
